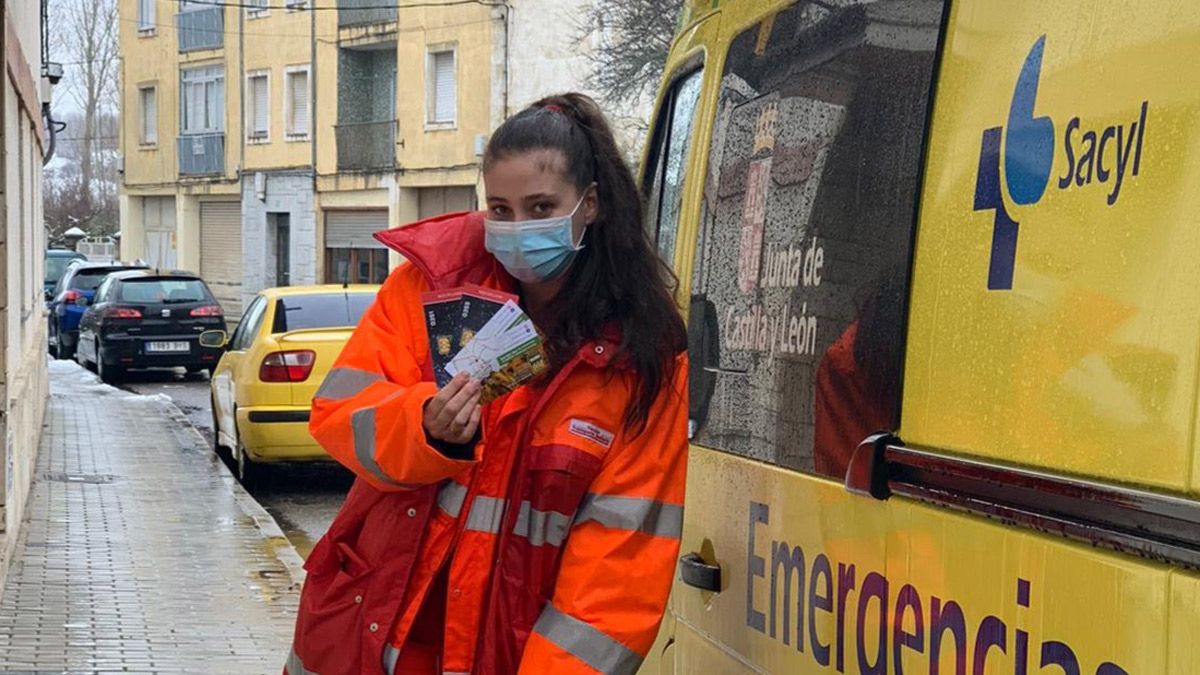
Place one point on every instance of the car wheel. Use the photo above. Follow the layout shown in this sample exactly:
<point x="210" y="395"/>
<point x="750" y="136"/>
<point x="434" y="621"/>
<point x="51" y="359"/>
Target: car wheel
<point x="61" y="350"/>
<point x="249" y="473"/>
<point x="109" y="374"/>
<point x="52" y="341"/>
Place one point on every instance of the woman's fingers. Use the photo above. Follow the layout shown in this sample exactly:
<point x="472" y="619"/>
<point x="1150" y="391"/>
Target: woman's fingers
<point x="448" y="414"/>
<point x="458" y="403"/>
<point x="463" y="418"/>
<point x="473" y="423"/>
<point x="446" y="393"/>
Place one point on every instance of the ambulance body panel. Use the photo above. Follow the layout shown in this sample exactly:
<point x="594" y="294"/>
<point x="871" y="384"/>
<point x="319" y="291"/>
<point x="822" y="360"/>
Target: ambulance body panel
<point x="972" y="226"/>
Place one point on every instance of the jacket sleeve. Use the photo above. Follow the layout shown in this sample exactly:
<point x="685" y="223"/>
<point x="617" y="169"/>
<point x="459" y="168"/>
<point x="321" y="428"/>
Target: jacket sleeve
<point x="367" y="414"/>
<point x="620" y="557"/>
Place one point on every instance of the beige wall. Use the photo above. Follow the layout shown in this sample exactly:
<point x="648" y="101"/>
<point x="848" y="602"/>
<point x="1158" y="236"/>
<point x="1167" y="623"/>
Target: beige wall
<point x="153" y="58"/>
<point x="149" y="59"/>
<point x="23" y="381"/>
<point x="274" y="42"/>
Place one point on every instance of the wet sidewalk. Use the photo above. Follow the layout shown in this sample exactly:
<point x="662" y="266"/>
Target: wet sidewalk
<point x="141" y="553"/>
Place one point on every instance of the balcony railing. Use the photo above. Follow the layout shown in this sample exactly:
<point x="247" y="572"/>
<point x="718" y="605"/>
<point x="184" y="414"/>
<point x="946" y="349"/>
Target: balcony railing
<point x="201" y="154"/>
<point x="200" y="29"/>
<point x="360" y="12"/>
<point x="366" y="145"/>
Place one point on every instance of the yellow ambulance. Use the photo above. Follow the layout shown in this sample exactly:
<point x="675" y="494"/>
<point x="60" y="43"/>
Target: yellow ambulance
<point x="941" y="260"/>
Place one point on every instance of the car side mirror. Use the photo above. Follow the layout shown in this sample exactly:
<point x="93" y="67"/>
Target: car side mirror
<point x="49" y="295"/>
<point x="214" y="339"/>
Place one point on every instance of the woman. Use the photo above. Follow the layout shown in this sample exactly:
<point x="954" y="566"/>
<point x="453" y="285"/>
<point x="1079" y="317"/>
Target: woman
<point x="538" y="533"/>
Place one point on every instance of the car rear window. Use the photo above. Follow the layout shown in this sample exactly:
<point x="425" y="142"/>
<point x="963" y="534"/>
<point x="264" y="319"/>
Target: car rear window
<point x="56" y="266"/>
<point x="328" y="310"/>
<point x="89" y="279"/>
<point x="163" y="290"/>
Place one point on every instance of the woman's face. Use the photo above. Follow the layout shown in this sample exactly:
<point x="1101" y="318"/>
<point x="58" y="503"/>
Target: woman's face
<point x="534" y="185"/>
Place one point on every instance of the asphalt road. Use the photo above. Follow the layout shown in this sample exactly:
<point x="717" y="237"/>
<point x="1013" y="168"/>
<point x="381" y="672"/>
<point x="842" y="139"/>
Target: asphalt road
<point x="303" y="498"/>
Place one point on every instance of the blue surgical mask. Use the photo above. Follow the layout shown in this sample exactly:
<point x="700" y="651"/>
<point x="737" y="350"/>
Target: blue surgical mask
<point x="534" y="251"/>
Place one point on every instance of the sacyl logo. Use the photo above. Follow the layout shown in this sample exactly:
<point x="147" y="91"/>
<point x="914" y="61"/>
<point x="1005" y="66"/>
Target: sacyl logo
<point x="1099" y="156"/>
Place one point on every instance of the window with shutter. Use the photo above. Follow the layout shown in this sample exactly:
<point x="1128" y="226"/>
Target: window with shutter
<point x="298" y="107"/>
<point x="444" y="92"/>
<point x="149" y="116"/>
<point x="260" y="101"/>
<point x="203" y="102"/>
<point x="146" y="15"/>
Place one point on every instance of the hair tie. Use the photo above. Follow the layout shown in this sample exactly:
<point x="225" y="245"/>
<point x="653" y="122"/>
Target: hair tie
<point x="553" y="107"/>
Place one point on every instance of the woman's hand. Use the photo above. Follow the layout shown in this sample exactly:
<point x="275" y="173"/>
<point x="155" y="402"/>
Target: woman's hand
<point x="453" y="415"/>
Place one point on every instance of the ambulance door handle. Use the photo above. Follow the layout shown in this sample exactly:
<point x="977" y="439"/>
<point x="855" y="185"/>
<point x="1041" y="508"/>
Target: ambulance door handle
<point x="699" y="574"/>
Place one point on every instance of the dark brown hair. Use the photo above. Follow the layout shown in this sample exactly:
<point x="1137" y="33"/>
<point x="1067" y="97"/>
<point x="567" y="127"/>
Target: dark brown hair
<point x="618" y="277"/>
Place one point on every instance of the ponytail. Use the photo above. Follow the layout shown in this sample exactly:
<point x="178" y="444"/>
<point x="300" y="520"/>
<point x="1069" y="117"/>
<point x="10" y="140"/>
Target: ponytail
<point x="618" y="277"/>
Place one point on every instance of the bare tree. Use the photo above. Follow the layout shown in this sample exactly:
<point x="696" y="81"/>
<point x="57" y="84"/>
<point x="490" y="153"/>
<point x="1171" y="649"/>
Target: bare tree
<point x="630" y="40"/>
<point x="84" y="38"/>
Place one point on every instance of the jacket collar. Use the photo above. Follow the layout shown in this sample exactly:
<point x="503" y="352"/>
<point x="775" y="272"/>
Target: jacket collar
<point x="448" y="249"/>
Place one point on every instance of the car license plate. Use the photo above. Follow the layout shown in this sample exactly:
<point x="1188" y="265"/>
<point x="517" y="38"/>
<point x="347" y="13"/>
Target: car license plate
<point x="159" y="347"/>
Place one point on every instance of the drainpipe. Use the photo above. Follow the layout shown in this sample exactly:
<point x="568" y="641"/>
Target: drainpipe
<point x="241" y="167"/>
<point x="312" y="88"/>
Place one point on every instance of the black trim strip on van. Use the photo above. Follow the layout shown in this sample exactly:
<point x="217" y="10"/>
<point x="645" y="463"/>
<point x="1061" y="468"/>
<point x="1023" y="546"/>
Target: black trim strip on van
<point x="1156" y="526"/>
<point x="269" y="416"/>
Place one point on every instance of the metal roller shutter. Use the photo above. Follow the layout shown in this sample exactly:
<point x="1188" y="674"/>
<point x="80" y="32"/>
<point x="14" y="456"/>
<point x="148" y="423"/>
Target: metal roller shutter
<point x="353" y="229"/>
<point x="436" y="201"/>
<point x="221" y="253"/>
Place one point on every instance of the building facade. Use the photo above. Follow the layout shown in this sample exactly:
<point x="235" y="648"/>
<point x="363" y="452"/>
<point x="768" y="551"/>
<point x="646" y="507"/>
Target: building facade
<point x="23" y="389"/>
<point x="264" y="141"/>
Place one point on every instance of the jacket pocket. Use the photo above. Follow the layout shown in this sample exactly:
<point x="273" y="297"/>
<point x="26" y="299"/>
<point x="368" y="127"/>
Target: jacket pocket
<point x="330" y="613"/>
<point x="558" y="477"/>
<point x="556" y="480"/>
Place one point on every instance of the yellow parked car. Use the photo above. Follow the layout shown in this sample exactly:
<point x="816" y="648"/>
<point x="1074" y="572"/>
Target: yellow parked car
<point x="263" y="386"/>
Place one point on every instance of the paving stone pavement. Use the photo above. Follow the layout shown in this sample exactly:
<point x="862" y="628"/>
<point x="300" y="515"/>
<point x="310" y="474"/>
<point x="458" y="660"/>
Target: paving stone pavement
<point x="140" y="553"/>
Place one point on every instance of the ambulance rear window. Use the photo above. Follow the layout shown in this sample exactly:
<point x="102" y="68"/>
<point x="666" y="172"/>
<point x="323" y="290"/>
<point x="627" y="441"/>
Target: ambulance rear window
<point x="801" y="269"/>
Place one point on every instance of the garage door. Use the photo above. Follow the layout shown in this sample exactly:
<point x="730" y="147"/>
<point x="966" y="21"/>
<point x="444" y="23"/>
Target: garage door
<point x="353" y="229"/>
<point x="436" y="201"/>
<point x="351" y="254"/>
<point x="221" y="253"/>
<point x="158" y="227"/>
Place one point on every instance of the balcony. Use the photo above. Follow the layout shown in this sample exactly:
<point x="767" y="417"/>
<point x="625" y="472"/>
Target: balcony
<point x="200" y="29"/>
<point x="366" y="146"/>
<point x="362" y="12"/>
<point x="202" y="154"/>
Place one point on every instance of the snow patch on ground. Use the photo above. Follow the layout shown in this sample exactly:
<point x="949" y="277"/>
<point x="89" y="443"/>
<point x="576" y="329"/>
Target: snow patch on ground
<point x="79" y="379"/>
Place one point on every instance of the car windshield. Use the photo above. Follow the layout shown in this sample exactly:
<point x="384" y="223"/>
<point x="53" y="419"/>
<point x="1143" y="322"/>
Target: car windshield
<point x="327" y="310"/>
<point x="56" y="266"/>
<point x="89" y="279"/>
<point x="163" y="290"/>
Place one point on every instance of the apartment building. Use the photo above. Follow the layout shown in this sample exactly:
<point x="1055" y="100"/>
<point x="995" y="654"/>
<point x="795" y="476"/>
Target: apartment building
<point x="265" y="140"/>
<point x="23" y="385"/>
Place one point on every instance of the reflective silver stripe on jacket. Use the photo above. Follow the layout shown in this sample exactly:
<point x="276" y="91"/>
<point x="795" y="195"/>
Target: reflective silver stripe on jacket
<point x="342" y="383"/>
<point x="390" y="656"/>
<point x="295" y="666"/>
<point x="486" y="514"/>
<point x="632" y="513"/>
<point x="451" y="497"/>
<point x="586" y="643"/>
<point x="362" y="423"/>
<point x="541" y="527"/>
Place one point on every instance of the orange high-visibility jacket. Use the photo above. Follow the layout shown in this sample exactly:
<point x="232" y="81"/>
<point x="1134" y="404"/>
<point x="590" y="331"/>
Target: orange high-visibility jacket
<point x="551" y="550"/>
